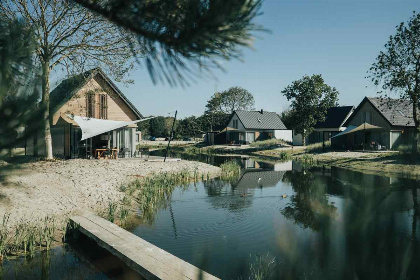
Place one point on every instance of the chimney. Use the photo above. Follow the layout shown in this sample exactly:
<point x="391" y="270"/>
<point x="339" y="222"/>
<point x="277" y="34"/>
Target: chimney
<point x="262" y="111"/>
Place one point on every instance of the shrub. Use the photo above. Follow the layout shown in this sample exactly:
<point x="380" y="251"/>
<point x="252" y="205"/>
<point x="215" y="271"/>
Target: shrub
<point x="230" y="170"/>
<point x="268" y="143"/>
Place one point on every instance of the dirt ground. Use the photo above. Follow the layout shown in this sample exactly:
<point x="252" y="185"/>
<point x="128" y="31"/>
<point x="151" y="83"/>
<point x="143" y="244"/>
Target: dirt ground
<point x="34" y="190"/>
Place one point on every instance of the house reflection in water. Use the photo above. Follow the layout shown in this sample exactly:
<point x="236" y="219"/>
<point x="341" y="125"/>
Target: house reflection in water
<point x="259" y="174"/>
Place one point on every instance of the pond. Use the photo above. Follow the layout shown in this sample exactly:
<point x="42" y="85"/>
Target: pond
<point x="299" y="222"/>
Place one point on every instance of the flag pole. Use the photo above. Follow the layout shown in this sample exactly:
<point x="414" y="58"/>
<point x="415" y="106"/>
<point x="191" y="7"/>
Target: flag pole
<point x="170" y="136"/>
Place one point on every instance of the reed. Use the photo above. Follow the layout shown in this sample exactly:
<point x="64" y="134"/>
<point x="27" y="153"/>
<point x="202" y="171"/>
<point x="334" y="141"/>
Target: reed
<point x="230" y="170"/>
<point x="262" y="268"/>
<point x="148" y="194"/>
<point x="270" y="143"/>
<point x="318" y="147"/>
<point x="26" y="237"/>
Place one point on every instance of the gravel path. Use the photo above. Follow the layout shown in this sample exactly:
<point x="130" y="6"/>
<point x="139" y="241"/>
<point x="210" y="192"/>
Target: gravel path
<point x="61" y="188"/>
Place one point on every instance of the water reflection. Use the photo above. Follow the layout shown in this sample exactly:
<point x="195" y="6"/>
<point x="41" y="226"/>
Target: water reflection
<point x="320" y="223"/>
<point x="309" y="205"/>
<point x="80" y="260"/>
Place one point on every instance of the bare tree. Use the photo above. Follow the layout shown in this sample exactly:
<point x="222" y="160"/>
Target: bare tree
<point x="72" y="37"/>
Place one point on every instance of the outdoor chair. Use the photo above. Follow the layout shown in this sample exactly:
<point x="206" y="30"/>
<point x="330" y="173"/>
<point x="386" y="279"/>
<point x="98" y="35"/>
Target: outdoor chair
<point x="127" y="152"/>
<point x="144" y="151"/>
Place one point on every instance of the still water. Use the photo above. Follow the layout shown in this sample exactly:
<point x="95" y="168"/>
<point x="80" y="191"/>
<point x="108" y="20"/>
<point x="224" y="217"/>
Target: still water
<point x="315" y="223"/>
<point x="311" y="223"/>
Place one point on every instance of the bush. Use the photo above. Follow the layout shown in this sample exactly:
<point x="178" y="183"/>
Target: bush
<point x="268" y="143"/>
<point x="406" y="149"/>
<point x="230" y="170"/>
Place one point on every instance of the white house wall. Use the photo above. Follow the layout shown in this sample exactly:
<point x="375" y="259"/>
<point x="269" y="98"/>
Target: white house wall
<point x="284" y="134"/>
<point x="297" y="139"/>
<point x="240" y="125"/>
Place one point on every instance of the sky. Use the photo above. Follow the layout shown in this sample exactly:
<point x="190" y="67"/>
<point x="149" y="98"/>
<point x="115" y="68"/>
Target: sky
<point x="336" y="38"/>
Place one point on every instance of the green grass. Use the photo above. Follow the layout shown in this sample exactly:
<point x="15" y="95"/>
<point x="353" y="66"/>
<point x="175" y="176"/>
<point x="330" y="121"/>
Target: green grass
<point x="230" y="170"/>
<point x="148" y="194"/>
<point x="26" y="237"/>
<point x="318" y="148"/>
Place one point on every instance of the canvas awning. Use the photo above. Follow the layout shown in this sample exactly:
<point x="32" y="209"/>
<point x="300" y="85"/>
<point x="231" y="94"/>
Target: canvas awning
<point x="226" y="129"/>
<point x="362" y="127"/>
<point x="92" y="127"/>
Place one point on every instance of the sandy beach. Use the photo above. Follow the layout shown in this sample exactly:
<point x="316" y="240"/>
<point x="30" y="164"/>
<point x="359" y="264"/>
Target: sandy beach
<point x="38" y="189"/>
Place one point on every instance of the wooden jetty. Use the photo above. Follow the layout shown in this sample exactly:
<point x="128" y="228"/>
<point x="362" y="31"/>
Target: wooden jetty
<point x="149" y="261"/>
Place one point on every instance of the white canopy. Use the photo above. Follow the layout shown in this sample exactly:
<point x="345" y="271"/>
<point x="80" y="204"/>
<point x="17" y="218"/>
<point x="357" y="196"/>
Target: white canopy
<point x="362" y="127"/>
<point x="92" y="127"/>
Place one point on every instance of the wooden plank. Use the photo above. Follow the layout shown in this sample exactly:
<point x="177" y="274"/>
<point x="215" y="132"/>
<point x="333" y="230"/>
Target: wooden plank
<point x="148" y="260"/>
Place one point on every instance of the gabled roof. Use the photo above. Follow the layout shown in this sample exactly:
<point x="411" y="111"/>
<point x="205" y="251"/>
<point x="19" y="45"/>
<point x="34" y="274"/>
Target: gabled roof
<point x="336" y="116"/>
<point x="395" y="111"/>
<point x="260" y="120"/>
<point x="68" y="87"/>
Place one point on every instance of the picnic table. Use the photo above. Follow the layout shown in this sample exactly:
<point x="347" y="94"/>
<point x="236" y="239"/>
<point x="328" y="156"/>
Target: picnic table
<point x="100" y="153"/>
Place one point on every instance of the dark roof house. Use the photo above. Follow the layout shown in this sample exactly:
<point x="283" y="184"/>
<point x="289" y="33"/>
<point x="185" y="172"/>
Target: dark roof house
<point x="390" y="122"/>
<point x="336" y="117"/>
<point x="249" y="126"/>
<point x="396" y="112"/>
<point x="260" y="120"/>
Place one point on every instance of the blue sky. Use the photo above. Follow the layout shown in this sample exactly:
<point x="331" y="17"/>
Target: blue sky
<point x="338" y="39"/>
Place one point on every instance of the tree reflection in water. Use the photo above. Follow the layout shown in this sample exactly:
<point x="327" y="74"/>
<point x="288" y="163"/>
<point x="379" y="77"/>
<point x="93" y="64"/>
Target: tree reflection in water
<point x="374" y="234"/>
<point x="309" y="205"/>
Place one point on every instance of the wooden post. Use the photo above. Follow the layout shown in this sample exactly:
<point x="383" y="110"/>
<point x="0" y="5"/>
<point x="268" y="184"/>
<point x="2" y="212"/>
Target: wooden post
<point x="364" y="135"/>
<point x="170" y="136"/>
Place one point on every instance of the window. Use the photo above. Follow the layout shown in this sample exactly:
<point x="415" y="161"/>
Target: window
<point x="367" y="117"/>
<point x="90" y="105"/>
<point x="103" y="106"/>
<point x="235" y="124"/>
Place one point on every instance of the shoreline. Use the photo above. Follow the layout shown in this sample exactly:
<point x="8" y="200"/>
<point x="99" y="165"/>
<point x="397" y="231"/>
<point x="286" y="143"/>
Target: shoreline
<point x="392" y="164"/>
<point x="35" y="190"/>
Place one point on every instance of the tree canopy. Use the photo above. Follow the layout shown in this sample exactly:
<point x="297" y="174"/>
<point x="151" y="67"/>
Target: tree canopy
<point x="18" y="83"/>
<point x="397" y="68"/>
<point x="310" y="99"/>
<point x="157" y="127"/>
<point x="222" y="104"/>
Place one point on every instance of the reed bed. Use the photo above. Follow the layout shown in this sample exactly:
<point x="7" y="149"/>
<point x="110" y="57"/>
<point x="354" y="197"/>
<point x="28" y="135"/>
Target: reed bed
<point x="269" y="143"/>
<point x="146" y="195"/>
<point x="230" y="170"/>
<point x="26" y="237"/>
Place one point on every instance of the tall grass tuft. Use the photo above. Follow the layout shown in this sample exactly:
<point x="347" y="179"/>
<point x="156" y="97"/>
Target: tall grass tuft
<point x="318" y="147"/>
<point x="27" y="237"/>
<point x="262" y="268"/>
<point x="148" y="194"/>
<point x="230" y="170"/>
<point x="271" y="143"/>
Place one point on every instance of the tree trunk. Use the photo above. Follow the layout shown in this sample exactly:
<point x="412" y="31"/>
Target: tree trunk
<point x="46" y="103"/>
<point x="416" y="124"/>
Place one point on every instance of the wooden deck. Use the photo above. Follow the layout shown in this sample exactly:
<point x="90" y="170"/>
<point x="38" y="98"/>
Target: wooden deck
<point x="148" y="260"/>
